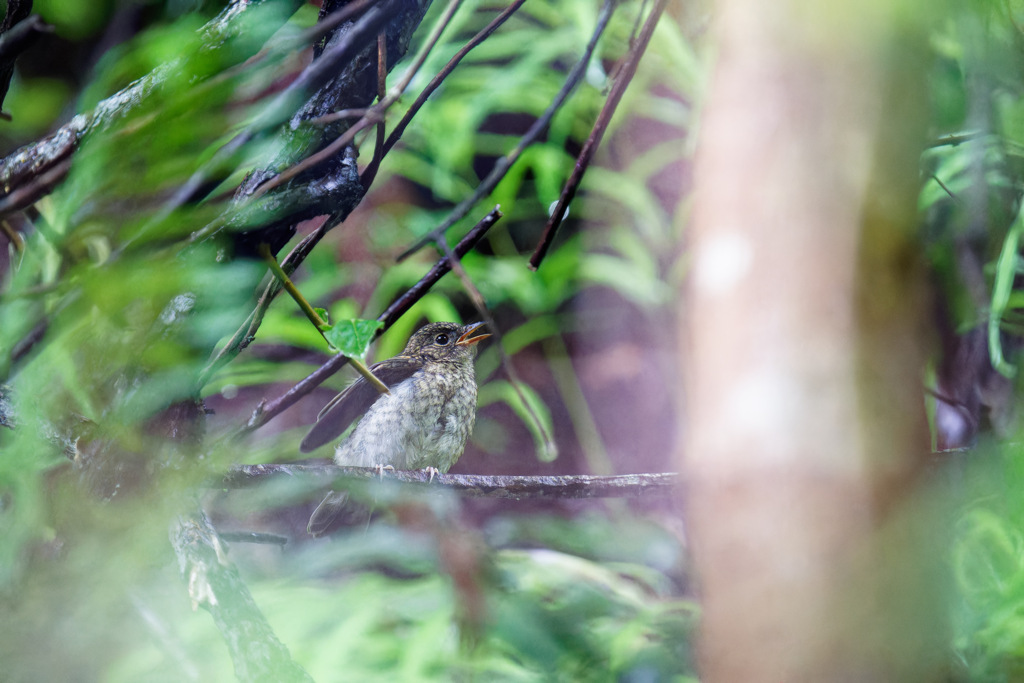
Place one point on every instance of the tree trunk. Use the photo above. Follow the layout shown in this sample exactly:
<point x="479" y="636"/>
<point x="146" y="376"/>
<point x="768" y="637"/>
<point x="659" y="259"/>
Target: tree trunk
<point x="804" y="349"/>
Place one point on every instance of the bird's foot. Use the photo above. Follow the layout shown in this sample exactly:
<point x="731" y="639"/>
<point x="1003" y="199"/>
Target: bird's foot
<point x="433" y="472"/>
<point x="380" y="470"/>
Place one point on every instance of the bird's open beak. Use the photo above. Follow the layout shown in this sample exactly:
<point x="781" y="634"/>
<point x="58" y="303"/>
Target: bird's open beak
<point x="467" y="337"/>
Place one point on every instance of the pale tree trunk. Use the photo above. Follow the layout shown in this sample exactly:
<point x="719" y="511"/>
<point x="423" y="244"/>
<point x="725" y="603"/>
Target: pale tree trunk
<point x="815" y="554"/>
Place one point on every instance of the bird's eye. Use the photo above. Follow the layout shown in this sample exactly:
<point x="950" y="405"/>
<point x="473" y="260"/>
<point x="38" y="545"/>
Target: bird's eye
<point x="441" y="339"/>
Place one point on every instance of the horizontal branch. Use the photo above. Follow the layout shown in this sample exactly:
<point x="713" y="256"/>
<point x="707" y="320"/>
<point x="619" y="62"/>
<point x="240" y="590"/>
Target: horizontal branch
<point x="470" y="485"/>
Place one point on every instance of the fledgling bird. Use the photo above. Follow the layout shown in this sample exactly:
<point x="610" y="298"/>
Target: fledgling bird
<point x="424" y="421"/>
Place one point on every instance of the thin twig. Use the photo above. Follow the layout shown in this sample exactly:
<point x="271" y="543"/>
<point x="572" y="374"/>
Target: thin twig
<point x="328" y="24"/>
<point x="943" y="186"/>
<point x="374" y="115"/>
<point x="955" y="139"/>
<point x="28" y="194"/>
<point x="436" y="81"/>
<point x="335" y="116"/>
<point x="378" y="146"/>
<point x="539" y="126"/>
<point x="267" y="411"/>
<point x="469" y="485"/>
<point x="314" y="317"/>
<point x="290" y="287"/>
<point x="428" y="47"/>
<point x="549" y="447"/>
<point x="622" y="81"/>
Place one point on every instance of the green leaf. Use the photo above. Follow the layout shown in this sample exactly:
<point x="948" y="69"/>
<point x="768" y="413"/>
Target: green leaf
<point x="322" y="312"/>
<point x="352" y="337"/>
<point x="1002" y="288"/>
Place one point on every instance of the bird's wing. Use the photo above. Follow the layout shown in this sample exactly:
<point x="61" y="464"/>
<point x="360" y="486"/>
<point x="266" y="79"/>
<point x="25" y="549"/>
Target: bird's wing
<point x="355" y="400"/>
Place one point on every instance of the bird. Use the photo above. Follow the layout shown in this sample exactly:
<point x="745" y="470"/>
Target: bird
<point x="423" y="423"/>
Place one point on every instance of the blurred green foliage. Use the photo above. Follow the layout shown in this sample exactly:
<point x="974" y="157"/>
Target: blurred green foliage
<point x="987" y="561"/>
<point x="973" y="177"/>
<point x="974" y="171"/>
<point x="131" y="312"/>
<point x="130" y="308"/>
<point x="375" y="606"/>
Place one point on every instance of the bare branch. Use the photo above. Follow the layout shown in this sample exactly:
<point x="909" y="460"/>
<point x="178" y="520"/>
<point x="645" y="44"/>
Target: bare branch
<point x="538" y="128"/>
<point x="548" y="447"/>
<point x="470" y="485"/>
<point x="622" y="80"/>
<point x="35" y="159"/>
<point x="371" y="169"/>
<point x="19" y="31"/>
<point x="421" y="99"/>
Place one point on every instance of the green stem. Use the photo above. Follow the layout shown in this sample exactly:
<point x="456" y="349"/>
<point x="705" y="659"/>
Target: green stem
<point x="290" y="287"/>
<point x="368" y="374"/>
<point x="314" y="317"/>
<point x="1002" y="288"/>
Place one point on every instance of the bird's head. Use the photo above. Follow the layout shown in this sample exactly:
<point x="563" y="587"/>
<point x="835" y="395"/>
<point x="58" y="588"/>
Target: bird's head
<point x="445" y="342"/>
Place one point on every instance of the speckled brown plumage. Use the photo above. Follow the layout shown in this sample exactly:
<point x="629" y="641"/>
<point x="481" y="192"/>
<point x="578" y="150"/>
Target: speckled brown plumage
<point x="425" y="420"/>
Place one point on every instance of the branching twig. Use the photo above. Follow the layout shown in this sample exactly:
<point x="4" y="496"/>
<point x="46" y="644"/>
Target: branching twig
<point x="378" y="145"/>
<point x="470" y="485"/>
<point x="416" y="292"/>
<point x="267" y="411"/>
<point x="549" y="448"/>
<point x="26" y="164"/>
<point x="295" y="102"/>
<point x="622" y="80"/>
<point x="323" y="69"/>
<point x="374" y="116"/>
<point x="539" y="126"/>
<point x="247" y="332"/>
<point x="418" y="103"/>
<point x="386" y="101"/>
<point x="319" y="323"/>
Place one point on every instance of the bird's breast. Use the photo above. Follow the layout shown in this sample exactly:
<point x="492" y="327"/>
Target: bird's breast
<point x="424" y="421"/>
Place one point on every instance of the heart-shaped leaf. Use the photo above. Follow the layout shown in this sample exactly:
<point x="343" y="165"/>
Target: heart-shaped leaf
<point x="352" y="337"/>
